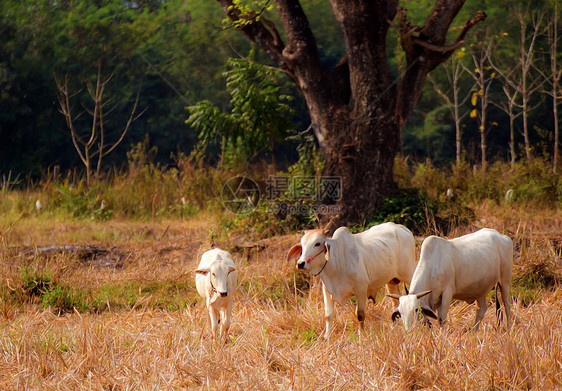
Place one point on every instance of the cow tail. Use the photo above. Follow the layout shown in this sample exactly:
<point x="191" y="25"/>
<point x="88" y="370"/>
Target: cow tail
<point x="498" y="308"/>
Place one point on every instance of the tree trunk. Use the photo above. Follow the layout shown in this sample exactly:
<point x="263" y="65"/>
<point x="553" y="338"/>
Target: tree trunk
<point x="362" y="158"/>
<point x="357" y="108"/>
<point x="525" y="113"/>
<point x="511" y="137"/>
<point x="556" y="74"/>
<point x="556" y="133"/>
<point x="457" y="129"/>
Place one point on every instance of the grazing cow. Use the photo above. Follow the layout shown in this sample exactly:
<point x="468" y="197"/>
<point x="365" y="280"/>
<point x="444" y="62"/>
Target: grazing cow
<point x="356" y="265"/>
<point x="465" y="268"/>
<point x="216" y="279"/>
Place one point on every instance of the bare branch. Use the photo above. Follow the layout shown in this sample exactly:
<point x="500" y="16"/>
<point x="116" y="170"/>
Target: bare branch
<point x="131" y="119"/>
<point x="66" y="110"/>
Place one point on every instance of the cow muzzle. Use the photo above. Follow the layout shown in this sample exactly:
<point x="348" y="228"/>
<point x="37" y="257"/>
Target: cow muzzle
<point x="300" y="265"/>
<point x="224" y="294"/>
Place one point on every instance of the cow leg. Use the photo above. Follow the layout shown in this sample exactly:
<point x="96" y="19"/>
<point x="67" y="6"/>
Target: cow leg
<point x="480" y="311"/>
<point x="392" y="287"/>
<point x="214" y="321"/>
<point x="361" y="296"/>
<point x="446" y="299"/>
<point x="328" y="312"/>
<point x="504" y="288"/>
<point x="225" y="318"/>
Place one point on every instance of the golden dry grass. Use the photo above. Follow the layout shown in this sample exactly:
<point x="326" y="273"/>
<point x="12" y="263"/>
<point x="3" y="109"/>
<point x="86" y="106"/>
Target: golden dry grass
<point x="275" y="341"/>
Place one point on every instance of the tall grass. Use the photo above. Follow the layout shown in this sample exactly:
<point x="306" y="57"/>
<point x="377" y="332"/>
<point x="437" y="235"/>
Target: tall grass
<point x="151" y="192"/>
<point x="152" y="331"/>
<point x="532" y="183"/>
<point x="68" y="322"/>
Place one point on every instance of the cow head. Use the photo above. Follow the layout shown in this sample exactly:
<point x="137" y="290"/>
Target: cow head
<point x="311" y="252"/>
<point x="412" y="309"/>
<point x="218" y="276"/>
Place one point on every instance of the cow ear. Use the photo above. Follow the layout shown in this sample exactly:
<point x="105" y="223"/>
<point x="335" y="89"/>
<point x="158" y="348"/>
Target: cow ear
<point x="202" y="271"/>
<point x="427" y="311"/>
<point x="395" y="315"/>
<point x="294" y="252"/>
<point x="231" y="269"/>
<point x="328" y="244"/>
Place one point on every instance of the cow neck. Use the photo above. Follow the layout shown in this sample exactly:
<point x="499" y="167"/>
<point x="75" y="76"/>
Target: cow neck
<point x="321" y="270"/>
<point x="329" y="277"/>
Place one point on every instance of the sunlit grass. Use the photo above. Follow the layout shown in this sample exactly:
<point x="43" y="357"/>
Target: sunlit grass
<point x="133" y="319"/>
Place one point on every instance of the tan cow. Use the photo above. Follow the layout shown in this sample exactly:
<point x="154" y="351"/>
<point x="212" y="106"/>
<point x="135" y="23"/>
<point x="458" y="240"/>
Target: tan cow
<point x="356" y="264"/>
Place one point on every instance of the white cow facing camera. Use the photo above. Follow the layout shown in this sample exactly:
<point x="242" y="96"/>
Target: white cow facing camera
<point x="216" y="280"/>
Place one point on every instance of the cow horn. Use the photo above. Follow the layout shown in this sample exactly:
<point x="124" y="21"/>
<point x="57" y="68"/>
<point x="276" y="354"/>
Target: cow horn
<point x="422" y="294"/>
<point x="393" y="295"/>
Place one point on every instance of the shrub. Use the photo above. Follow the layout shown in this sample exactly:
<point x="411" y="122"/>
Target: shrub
<point x="407" y="207"/>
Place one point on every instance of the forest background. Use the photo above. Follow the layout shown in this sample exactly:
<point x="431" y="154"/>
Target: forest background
<point x="173" y="55"/>
<point x="147" y="109"/>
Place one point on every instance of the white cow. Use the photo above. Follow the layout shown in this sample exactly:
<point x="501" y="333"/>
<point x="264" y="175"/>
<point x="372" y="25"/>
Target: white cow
<point x="465" y="268"/>
<point x="216" y="279"/>
<point x="356" y="265"/>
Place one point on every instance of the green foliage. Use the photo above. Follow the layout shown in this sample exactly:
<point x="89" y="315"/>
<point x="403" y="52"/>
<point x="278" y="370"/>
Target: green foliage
<point x="82" y="202"/>
<point x="34" y="283"/>
<point x="145" y="190"/>
<point x="311" y="161"/>
<point x="258" y="116"/>
<point x="532" y="183"/>
<point x="409" y="208"/>
<point x="250" y="11"/>
<point x="63" y="299"/>
<point x="266" y="220"/>
<point x="42" y="287"/>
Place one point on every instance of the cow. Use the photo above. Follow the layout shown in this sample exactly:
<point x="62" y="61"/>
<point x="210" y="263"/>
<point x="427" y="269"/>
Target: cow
<point x="216" y="279"/>
<point x="356" y="264"/>
<point x="465" y="268"/>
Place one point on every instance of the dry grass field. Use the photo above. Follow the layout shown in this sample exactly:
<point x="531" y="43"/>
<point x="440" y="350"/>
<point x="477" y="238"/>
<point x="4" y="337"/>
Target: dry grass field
<point x="129" y="318"/>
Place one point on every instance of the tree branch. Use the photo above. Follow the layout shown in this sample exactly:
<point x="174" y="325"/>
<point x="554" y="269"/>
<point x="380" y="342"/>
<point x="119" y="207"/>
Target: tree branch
<point x="425" y="47"/>
<point x="301" y="44"/>
<point x="132" y="118"/>
<point x="256" y="31"/>
<point x="66" y="110"/>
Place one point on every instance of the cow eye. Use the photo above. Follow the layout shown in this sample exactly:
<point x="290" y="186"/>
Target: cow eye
<point x="317" y="244"/>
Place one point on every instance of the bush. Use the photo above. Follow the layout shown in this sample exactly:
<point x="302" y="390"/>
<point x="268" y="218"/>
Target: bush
<point x="532" y="183"/>
<point x="409" y="208"/>
<point x="40" y="287"/>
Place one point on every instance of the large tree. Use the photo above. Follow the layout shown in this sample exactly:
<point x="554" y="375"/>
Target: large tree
<point x="357" y="108"/>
